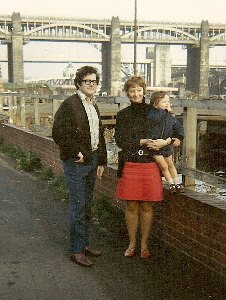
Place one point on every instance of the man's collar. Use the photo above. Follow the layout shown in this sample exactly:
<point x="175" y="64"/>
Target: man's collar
<point x="85" y="98"/>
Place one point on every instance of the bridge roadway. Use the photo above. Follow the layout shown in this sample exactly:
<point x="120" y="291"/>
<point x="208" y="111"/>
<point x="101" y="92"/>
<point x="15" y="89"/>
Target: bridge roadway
<point x="34" y="261"/>
<point x="92" y="30"/>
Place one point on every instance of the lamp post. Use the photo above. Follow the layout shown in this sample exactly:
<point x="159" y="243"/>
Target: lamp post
<point x="135" y="40"/>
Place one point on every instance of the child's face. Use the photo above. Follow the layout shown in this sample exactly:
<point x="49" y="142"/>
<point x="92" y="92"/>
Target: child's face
<point x="164" y="103"/>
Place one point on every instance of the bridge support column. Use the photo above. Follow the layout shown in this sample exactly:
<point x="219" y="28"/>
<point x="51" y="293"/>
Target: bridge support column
<point x="115" y="58"/>
<point x="193" y="72"/>
<point x="204" y="61"/>
<point x="106" y="82"/>
<point x="162" y="65"/>
<point x="15" y="52"/>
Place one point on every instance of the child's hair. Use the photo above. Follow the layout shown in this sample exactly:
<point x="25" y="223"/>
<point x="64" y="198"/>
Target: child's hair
<point x="156" y="97"/>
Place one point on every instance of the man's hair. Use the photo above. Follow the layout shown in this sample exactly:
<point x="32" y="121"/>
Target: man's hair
<point x="133" y="81"/>
<point x="82" y="72"/>
<point x="157" y="96"/>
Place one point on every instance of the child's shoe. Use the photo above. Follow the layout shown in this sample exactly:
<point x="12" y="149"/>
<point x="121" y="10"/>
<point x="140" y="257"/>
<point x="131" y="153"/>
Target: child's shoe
<point x="172" y="188"/>
<point x="179" y="188"/>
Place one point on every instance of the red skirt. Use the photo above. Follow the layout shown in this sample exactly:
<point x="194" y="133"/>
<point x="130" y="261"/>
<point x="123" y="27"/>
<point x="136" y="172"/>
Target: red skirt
<point x="140" y="181"/>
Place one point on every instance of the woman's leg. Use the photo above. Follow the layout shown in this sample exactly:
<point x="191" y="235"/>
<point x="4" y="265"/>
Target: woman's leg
<point x="146" y="223"/>
<point x="131" y="214"/>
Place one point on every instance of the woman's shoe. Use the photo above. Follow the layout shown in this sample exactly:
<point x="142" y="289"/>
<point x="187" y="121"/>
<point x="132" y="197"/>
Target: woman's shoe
<point x="144" y="253"/>
<point x="130" y="252"/>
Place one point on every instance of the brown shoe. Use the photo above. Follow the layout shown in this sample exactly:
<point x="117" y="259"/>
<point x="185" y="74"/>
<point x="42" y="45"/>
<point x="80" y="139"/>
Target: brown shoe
<point x="92" y="252"/>
<point x="144" y="253"/>
<point x="81" y="260"/>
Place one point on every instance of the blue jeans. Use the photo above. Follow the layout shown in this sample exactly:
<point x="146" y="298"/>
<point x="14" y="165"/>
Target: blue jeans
<point x="80" y="181"/>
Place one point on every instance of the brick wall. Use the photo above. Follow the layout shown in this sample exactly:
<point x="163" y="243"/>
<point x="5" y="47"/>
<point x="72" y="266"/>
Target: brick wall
<point x="193" y="222"/>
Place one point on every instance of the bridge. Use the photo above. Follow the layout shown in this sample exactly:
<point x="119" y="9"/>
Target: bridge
<point x="15" y="31"/>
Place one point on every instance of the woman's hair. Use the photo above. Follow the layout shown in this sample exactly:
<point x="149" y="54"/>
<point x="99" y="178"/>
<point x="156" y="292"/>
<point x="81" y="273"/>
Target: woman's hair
<point x="82" y="72"/>
<point x="156" y="97"/>
<point x="133" y="81"/>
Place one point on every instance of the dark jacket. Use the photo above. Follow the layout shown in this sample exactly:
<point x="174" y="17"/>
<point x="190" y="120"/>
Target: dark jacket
<point x="72" y="133"/>
<point x="130" y="128"/>
<point x="161" y="125"/>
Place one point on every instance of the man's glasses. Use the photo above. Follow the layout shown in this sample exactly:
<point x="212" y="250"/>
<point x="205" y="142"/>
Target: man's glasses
<point x="88" y="82"/>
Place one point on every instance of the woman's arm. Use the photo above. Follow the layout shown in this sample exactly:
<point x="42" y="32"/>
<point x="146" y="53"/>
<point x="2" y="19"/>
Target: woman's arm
<point x="156" y="144"/>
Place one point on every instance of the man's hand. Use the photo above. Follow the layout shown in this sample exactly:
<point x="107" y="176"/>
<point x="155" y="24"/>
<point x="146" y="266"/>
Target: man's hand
<point x="80" y="158"/>
<point x="100" y="170"/>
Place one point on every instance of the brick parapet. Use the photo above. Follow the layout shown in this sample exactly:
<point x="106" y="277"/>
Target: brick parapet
<point x="192" y="222"/>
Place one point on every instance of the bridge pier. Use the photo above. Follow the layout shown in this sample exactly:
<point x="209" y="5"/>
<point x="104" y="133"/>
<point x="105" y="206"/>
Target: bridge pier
<point x="193" y="71"/>
<point x="204" y="61"/>
<point x="106" y="84"/>
<point x="111" y="61"/>
<point x="162" y="65"/>
<point x="198" y="64"/>
<point x="115" y="58"/>
<point x="15" y="51"/>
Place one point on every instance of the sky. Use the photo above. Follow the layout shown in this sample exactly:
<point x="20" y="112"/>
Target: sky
<point x="164" y="10"/>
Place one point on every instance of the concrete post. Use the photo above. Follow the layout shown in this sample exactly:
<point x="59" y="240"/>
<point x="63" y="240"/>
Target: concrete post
<point x="15" y="51"/>
<point x="37" y="112"/>
<point x="190" y="125"/>
<point x="204" y="61"/>
<point x="1" y="104"/>
<point x="1" y="83"/>
<point x="55" y="106"/>
<point x="10" y="104"/>
<point x="22" y="112"/>
<point x="115" y="58"/>
<point x="181" y="90"/>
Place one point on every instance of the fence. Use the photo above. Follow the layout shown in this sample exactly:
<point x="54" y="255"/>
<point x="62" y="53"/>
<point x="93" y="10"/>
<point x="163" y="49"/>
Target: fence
<point x="19" y="106"/>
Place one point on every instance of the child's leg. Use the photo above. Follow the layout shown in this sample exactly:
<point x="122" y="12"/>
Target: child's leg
<point x="172" y="169"/>
<point x="160" y="160"/>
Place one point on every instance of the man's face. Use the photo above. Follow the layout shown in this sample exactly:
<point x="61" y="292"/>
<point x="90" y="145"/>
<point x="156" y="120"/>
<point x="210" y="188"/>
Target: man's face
<point x="88" y="85"/>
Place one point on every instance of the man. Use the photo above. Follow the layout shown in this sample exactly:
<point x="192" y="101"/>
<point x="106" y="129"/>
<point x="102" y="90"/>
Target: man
<point x="78" y="132"/>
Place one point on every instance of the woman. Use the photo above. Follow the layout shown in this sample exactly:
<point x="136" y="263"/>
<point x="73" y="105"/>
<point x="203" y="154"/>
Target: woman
<point x="140" y="181"/>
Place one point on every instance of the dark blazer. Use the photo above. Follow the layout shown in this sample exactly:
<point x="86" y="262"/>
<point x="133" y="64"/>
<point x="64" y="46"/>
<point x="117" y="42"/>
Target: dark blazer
<point x="72" y="133"/>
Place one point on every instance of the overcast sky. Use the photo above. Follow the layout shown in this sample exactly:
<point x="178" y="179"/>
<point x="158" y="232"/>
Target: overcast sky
<point x="164" y="10"/>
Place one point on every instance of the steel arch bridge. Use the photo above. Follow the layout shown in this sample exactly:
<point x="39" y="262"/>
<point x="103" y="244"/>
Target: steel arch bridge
<point x="86" y="30"/>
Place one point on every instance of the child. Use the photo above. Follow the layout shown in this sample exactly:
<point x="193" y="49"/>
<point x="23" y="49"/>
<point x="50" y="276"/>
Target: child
<point x="162" y="125"/>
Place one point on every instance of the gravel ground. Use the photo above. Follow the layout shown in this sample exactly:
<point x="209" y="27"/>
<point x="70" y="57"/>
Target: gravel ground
<point x="35" y="263"/>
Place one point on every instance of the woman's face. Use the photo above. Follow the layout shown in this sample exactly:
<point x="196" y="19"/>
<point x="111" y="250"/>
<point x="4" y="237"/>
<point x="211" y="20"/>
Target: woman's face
<point x="136" y="94"/>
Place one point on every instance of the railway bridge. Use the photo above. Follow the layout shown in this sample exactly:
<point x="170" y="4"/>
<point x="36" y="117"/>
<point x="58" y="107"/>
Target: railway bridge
<point x="15" y="31"/>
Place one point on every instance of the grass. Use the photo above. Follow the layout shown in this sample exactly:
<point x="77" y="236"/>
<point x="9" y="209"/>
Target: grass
<point x="108" y="215"/>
